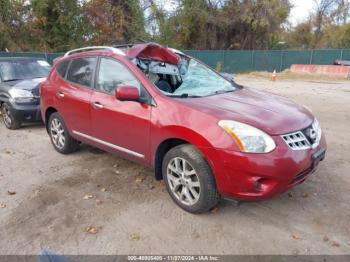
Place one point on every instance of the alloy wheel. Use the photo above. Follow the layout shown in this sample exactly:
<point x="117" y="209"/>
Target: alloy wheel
<point x="183" y="181"/>
<point x="57" y="133"/>
<point x="6" y="114"/>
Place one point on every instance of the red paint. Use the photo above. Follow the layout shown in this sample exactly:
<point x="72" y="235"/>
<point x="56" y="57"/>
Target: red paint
<point x="142" y="128"/>
<point x="127" y="93"/>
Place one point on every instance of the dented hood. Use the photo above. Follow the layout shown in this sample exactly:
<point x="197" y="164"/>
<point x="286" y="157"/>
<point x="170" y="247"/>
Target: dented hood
<point x="153" y="51"/>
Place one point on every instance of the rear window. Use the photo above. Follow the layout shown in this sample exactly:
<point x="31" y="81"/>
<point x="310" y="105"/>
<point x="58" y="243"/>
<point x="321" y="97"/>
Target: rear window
<point x="81" y="71"/>
<point x="62" y="68"/>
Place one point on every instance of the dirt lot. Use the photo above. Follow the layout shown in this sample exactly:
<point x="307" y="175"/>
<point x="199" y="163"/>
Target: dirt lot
<point x="134" y="214"/>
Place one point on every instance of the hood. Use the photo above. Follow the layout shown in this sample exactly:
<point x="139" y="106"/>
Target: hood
<point x="31" y="85"/>
<point x="27" y="84"/>
<point x="153" y="51"/>
<point x="271" y="113"/>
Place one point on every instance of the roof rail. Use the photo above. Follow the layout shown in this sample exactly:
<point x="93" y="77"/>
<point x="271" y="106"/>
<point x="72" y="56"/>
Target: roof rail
<point x="92" y="48"/>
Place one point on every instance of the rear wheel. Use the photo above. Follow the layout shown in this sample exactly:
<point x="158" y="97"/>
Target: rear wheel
<point x="61" y="140"/>
<point x="8" y="119"/>
<point x="189" y="179"/>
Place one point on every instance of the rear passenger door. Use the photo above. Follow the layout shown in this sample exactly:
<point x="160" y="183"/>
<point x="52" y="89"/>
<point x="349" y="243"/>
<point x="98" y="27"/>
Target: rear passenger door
<point x="121" y="127"/>
<point x="74" y="94"/>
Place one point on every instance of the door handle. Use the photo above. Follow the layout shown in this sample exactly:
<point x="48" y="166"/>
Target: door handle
<point x="97" y="105"/>
<point x="59" y="94"/>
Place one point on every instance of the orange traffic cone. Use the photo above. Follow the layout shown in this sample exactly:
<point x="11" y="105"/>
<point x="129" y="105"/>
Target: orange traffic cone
<point x="274" y="76"/>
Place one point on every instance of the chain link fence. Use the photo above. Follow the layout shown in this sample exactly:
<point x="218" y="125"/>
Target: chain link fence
<point x="233" y="61"/>
<point x="269" y="60"/>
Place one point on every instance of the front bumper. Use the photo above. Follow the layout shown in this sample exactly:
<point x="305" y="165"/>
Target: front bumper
<point x="262" y="176"/>
<point x="26" y="112"/>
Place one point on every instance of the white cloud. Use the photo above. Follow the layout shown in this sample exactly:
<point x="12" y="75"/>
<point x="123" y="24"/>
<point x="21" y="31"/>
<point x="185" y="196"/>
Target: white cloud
<point x="301" y="10"/>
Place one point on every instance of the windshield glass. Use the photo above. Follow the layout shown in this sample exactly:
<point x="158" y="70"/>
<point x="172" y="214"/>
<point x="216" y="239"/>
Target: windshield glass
<point x="23" y="69"/>
<point x="189" y="78"/>
<point x="199" y="80"/>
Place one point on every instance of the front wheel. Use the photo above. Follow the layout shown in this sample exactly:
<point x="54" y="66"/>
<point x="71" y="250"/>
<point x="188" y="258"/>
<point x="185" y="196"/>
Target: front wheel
<point x="8" y="119"/>
<point x="61" y="140"/>
<point x="189" y="179"/>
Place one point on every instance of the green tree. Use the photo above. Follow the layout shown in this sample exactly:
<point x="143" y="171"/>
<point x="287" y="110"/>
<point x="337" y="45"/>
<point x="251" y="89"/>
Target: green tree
<point x="13" y="25"/>
<point x="56" y="24"/>
<point x="301" y="36"/>
<point x="256" y="24"/>
<point x="113" y="21"/>
<point x="336" y="36"/>
<point x="187" y="28"/>
<point x="233" y="24"/>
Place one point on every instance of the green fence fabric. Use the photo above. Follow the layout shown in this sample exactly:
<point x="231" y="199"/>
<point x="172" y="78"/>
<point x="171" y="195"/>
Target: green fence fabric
<point x="233" y="61"/>
<point x="296" y="57"/>
<point x="345" y="54"/>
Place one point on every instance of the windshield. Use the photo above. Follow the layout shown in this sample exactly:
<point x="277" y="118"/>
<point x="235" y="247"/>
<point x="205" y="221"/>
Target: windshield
<point x="199" y="80"/>
<point x="189" y="78"/>
<point x="23" y="69"/>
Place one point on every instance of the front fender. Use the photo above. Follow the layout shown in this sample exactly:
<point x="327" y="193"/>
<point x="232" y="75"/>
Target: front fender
<point x="197" y="140"/>
<point x="4" y="97"/>
<point x="160" y="135"/>
<point x="184" y="133"/>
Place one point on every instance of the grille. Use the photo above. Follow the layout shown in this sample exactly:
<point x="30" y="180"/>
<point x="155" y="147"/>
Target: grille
<point x="304" y="139"/>
<point x="296" y="141"/>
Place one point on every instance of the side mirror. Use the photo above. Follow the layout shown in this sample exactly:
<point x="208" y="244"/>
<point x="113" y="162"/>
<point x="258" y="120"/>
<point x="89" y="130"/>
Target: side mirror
<point x="127" y="93"/>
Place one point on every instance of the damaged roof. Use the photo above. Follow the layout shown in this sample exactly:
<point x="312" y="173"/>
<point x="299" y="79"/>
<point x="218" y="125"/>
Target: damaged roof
<point x="152" y="51"/>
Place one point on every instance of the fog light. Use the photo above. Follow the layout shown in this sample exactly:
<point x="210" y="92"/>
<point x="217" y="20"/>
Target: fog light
<point x="263" y="184"/>
<point x="258" y="185"/>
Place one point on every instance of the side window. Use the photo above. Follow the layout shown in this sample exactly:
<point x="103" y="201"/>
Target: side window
<point x="113" y="74"/>
<point x="81" y="71"/>
<point x="62" y="68"/>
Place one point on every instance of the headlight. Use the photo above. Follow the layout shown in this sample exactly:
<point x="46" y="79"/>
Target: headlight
<point x="21" y="95"/>
<point x="249" y="139"/>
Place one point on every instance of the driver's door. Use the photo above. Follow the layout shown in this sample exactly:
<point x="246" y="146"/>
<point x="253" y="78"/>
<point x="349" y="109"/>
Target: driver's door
<point x="120" y="127"/>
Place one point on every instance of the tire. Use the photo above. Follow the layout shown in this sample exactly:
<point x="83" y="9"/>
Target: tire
<point x="9" y="120"/>
<point x="61" y="140"/>
<point x="195" y="193"/>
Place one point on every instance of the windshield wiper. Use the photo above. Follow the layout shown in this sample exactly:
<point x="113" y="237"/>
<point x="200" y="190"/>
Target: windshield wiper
<point x="10" y="80"/>
<point x="36" y="77"/>
<point x="185" y="95"/>
<point x="218" y="92"/>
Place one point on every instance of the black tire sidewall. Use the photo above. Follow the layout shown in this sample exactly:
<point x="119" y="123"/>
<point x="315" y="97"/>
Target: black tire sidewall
<point x="15" y="124"/>
<point x="68" y="139"/>
<point x="206" y="179"/>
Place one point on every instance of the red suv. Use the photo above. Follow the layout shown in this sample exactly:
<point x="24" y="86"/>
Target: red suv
<point x="206" y="136"/>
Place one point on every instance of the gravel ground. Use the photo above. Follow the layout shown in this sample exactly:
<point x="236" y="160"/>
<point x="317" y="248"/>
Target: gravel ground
<point x="57" y="197"/>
